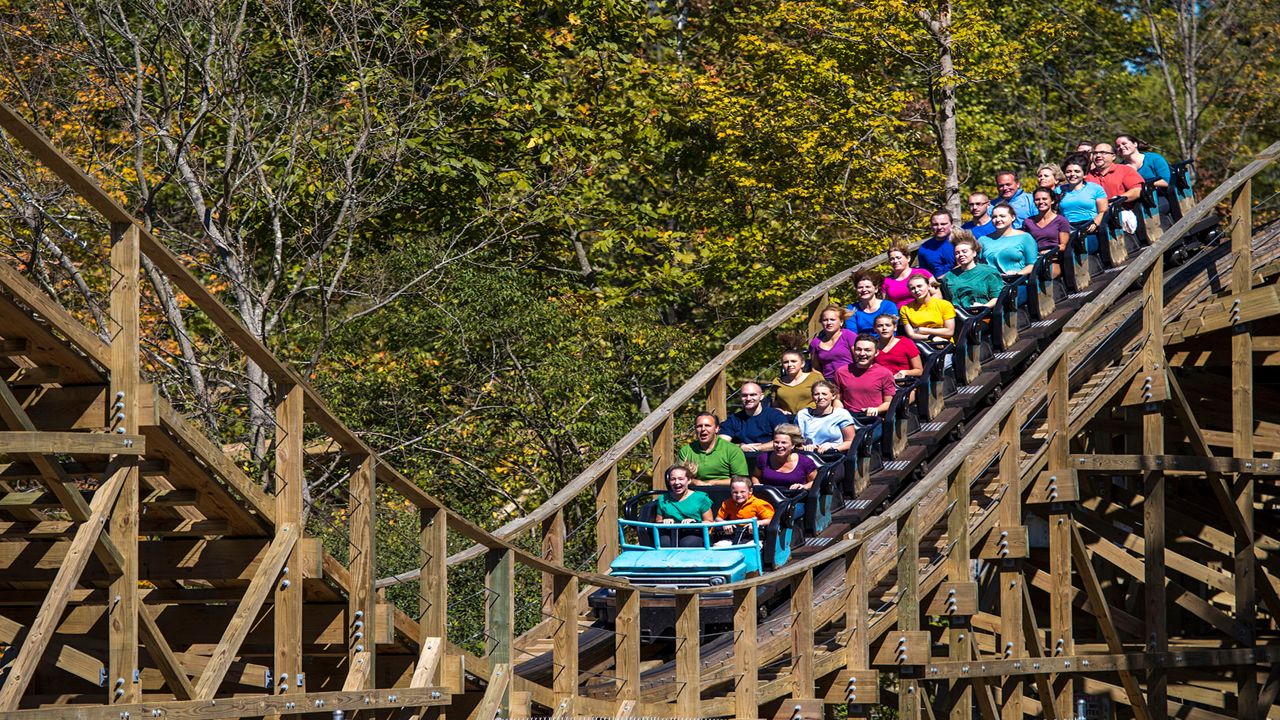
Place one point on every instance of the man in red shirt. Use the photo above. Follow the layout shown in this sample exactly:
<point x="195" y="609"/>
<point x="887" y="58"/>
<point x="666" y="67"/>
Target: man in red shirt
<point x="1115" y="179"/>
<point x="865" y="387"/>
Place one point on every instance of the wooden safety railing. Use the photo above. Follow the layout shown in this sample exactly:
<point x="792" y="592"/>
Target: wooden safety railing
<point x="831" y="629"/>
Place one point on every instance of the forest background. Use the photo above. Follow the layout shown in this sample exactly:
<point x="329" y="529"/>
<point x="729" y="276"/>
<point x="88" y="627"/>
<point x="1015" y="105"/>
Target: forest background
<point x="496" y="234"/>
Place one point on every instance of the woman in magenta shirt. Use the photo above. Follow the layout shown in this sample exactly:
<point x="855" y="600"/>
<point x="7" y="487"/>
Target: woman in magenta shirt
<point x="895" y="285"/>
<point x="832" y="348"/>
<point x="898" y="355"/>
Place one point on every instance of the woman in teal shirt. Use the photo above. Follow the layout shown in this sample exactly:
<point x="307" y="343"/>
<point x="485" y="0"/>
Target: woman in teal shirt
<point x="1009" y="251"/>
<point x="682" y="505"/>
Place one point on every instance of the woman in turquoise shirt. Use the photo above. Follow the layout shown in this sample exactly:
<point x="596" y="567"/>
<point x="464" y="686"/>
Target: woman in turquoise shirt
<point x="1153" y="168"/>
<point x="1082" y="203"/>
<point x="1009" y="251"/>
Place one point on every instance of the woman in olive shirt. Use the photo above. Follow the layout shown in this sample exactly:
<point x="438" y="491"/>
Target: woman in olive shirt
<point x="793" y="389"/>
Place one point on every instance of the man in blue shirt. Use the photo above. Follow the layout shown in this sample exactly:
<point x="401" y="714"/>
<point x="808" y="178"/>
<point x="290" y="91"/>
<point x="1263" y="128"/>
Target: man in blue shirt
<point x="1014" y="196"/>
<point x="752" y="426"/>
<point x="936" y="254"/>
<point x="980" y="209"/>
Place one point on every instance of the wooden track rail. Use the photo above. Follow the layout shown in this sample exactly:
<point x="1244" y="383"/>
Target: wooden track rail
<point x="1105" y="533"/>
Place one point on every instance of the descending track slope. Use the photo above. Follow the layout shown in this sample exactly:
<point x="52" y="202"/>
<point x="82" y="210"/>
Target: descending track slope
<point x="1062" y="545"/>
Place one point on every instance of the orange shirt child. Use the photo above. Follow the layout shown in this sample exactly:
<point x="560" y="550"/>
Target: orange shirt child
<point x="754" y="507"/>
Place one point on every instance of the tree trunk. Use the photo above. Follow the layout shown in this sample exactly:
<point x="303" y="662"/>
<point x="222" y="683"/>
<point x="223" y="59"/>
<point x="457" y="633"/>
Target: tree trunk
<point x="942" y="96"/>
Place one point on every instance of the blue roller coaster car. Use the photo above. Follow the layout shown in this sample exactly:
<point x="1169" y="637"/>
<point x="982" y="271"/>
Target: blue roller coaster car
<point x="714" y="553"/>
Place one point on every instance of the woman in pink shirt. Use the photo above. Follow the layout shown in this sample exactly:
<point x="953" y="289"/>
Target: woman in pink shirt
<point x="895" y="284"/>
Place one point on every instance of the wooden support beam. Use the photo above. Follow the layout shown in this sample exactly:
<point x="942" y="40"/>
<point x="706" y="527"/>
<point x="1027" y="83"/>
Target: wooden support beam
<point x="564" y="608"/>
<point x="1102" y="611"/>
<point x="175" y="676"/>
<point x="33" y="645"/>
<point x="290" y="489"/>
<point x="959" y="571"/>
<point x="746" y="676"/>
<point x="606" y="519"/>
<point x="663" y="441"/>
<point x="1242" y="431"/>
<point x="1031" y="633"/>
<point x="718" y="395"/>
<point x="626" y="652"/>
<point x="802" y="643"/>
<point x="910" y="692"/>
<point x="362" y="597"/>
<point x="499" y="619"/>
<point x="1135" y="662"/>
<point x="688" y="675"/>
<point x="359" y="671"/>
<point x="1153" y="527"/>
<point x="1061" y="623"/>
<point x="247" y="611"/>
<point x="248" y="705"/>
<point x="1160" y="462"/>
<point x="123" y="666"/>
<point x="553" y="532"/>
<point x="1012" y="643"/>
<point x="497" y="696"/>
<point x="48" y="442"/>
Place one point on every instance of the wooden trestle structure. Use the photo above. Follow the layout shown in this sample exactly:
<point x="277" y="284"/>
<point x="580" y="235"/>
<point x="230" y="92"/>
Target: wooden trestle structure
<point x="1107" y="528"/>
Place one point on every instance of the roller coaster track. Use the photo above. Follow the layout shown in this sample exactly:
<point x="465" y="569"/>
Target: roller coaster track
<point x="1104" y="531"/>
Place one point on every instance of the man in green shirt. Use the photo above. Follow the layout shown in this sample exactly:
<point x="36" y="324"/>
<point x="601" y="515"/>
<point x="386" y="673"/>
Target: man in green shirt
<point x="716" y="460"/>
<point x="971" y="284"/>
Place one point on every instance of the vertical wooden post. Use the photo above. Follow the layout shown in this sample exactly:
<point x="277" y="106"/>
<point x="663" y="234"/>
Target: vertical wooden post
<point x="606" y="519"/>
<point x="688" y="658"/>
<point x="746" y="701"/>
<point x="433" y="582"/>
<point x="123" y="528"/>
<point x="815" y="313"/>
<point x="1062" y="641"/>
<point x="959" y="570"/>
<point x="1010" y="514"/>
<point x="626" y="647"/>
<point x="290" y="478"/>
<point x="909" y="691"/>
<point x="553" y="532"/>
<point x="363" y="598"/>
<point x="1242" y="445"/>
<point x="718" y="395"/>
<point x="1153" y="509"/>
<point x="500" y="612"/>
<point x="858" y="651"/>
<point x="664" y="451"/>
<point x="565" y="643"/>
<point x="802" y="647"/>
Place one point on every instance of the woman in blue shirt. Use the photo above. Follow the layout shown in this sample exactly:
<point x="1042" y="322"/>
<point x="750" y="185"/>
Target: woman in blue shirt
<point x="1009" y="251"/>
<point x="1082" y="203"/>
<point x="863" y="313"/>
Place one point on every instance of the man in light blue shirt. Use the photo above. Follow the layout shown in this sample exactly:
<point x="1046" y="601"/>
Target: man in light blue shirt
<point x="1012" y="194"/>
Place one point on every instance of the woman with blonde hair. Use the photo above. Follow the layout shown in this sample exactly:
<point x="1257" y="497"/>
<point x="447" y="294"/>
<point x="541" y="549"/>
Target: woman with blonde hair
<point x="783" y="467"/>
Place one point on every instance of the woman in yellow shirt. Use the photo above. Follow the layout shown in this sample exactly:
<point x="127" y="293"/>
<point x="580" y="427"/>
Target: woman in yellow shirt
<point x="927" y="318"/>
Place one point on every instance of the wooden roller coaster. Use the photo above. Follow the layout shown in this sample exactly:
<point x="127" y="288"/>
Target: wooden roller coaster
<point x="1100" y="541"/>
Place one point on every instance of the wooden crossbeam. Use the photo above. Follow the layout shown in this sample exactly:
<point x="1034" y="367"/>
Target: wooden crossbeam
<point x="254" y="596"/>
<point x="49" y="442"/>
<point x="162" y="654"/>
<point x="1240" y="307"/>
<point x="496" y="694"/>
<point x="248" y="705"/>
<point x="1133" y="567"/>
<point x="1175" y="658"/>
<point x="1136" y="464"/>
<point x="1102" y="611"/>
<point x="41" y="632"/>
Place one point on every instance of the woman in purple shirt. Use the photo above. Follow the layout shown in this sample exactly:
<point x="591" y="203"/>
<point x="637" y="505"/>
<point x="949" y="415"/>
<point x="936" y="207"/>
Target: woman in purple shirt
<point x="832" y="348"/>
<point x="1049" y="229"/>
<point x="783" y="467"/>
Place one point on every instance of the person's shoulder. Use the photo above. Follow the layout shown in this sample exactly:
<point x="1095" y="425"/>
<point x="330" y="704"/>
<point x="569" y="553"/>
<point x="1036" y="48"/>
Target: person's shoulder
<point x="840" y="415"/>
<point x="776" y="413"/>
